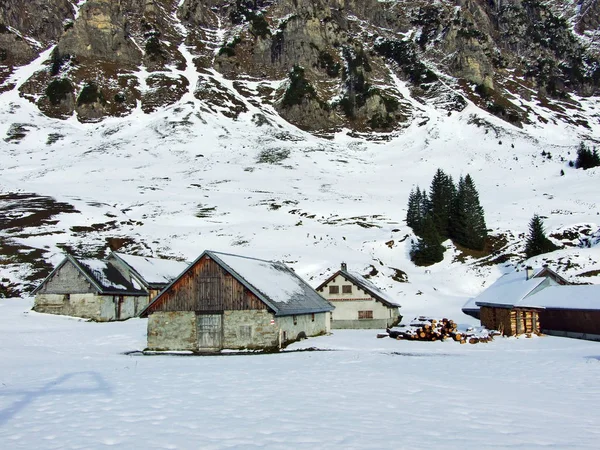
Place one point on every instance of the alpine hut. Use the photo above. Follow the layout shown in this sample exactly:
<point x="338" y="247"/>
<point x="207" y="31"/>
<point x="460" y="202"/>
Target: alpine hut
<point x="89" y="288"/>
<point x="225" y="301"/>
<point x="507" y="304"/>
<point x="358" y="302"/>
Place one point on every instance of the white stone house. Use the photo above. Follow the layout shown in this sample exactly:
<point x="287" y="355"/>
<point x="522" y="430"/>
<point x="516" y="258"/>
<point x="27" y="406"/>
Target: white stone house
<point x="225" y="301"/>
<point x="358" y="302"/>
<point x="89" y="288"/>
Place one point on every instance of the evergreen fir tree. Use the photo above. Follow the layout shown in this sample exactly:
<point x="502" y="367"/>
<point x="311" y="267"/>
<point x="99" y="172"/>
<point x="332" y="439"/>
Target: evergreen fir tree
<point x="412" y="210"/>
<point x="586" y="158"/>
<point x="537" y="242"/>
<point x="428" y="249"/>
<point x="468" y="226"/>
<point x="417" y="209"/>
<point x="441" y="199"/>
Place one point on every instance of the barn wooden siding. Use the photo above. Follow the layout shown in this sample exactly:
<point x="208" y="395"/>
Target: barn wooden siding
<point x="576" y="321"/>
<point x="206" y="287"/>
<point x="510" y="322"/>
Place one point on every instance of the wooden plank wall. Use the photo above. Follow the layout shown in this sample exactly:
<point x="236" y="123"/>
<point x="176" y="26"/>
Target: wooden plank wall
<point x="206" y="287"/>
<point x="576" y="321"/>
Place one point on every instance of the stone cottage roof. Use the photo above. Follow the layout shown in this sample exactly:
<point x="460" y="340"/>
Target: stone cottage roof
<point x="274" y="283"/>
<point x="364" y="284"/>
<point x="103" y="275"/>
<point x="152" y="272"/>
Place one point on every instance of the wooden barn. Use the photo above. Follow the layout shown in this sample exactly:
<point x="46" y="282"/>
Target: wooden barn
<point x="117" y="288"/>
<point x="225" y="301"/>
<point x="358" y="302"/>
<point x="510" y="289"/>
<point x="89" y="288"/>
<point x="569" y="311"/>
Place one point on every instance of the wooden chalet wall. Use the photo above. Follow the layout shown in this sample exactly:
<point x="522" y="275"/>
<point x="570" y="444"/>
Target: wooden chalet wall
<point x="576" y="321"/>
<point x="207" y="288"/>
<point x="510" y="322"/>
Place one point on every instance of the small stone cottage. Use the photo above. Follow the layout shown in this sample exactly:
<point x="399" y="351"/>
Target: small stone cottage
<point x="225" y="301"/>
<point x="89" y="288"/>
<point x="117" y="288"/>
<point x="358" y="302"/>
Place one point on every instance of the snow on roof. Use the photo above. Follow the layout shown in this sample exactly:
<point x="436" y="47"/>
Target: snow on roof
<point x="154" y="270"/>
<point x="107" y="276"/>
<point x="275" y="284"/>
<point x="369" y="286"/>
<point x="509" y="289"/>
<point x="565" y="297"/>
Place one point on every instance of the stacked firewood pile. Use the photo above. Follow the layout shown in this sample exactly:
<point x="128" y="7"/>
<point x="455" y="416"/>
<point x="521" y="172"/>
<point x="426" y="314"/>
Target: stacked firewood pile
<point x="429" y="329"/>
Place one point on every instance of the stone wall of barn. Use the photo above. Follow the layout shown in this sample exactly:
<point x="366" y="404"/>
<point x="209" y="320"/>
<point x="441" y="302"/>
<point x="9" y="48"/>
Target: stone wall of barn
<point x="102" y="308"/>
<point x="303" y="326"/>
<point x="67" y="280"/>
<point x="176" y="330"/>
<point x="250" y="329"/>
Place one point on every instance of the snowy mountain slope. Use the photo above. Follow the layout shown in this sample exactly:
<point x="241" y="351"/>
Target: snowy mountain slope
<point x="181" y="180"/>
<point x="191" y="176"/>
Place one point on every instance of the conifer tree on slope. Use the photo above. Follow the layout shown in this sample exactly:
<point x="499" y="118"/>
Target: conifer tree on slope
<point x="468" y="226"/>
<point x="417" y="210"/>
<point x="428" y="249"/>
<point x="441" y="199"/>
<point x="537" y="242"/>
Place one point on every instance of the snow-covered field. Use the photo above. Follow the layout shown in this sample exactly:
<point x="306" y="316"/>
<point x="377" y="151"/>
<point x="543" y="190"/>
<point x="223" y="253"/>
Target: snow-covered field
<point x="66" y="384"/>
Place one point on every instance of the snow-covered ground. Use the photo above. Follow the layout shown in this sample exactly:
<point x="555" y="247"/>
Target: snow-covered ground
<point x="66" y="384"/>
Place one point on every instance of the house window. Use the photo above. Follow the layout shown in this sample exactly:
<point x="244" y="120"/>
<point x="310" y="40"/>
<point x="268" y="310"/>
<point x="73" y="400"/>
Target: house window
<point x="334" y="289"/>
<point x="313" y="317"/>
<point x="365" y="315"/>
<point x="347" y="289"/>
<point x="246" y="332"/>
<point x="295" y="320"/>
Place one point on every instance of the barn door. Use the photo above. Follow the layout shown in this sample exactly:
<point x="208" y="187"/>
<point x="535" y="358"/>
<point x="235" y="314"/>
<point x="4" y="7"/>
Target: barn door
<point x="210" y="332"/>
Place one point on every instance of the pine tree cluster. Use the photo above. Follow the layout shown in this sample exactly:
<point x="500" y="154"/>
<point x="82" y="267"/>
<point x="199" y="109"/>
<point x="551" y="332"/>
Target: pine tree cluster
<point x="448" y="211"/>
<point x="586" y="157"/>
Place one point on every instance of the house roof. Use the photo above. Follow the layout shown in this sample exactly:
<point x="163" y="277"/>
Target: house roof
<point x="103" y="275"/>
<point x="152" y="272"/>
<point x="511" y="288"/>
<point x="581" y="297"/>
<point x="366" y="285"/>
<point x="274" y="283"/>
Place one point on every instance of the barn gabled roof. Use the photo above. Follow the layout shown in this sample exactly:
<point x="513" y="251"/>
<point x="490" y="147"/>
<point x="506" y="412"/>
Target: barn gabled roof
<point x="153" y="273"/>
<point x="274" y="283"/>
<point x="364" y="284"/>
<point x="102" y="275"/>
<point x="511" y="288"/>
<point x="574" y="297"/>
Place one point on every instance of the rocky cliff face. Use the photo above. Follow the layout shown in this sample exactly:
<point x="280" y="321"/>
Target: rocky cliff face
<point x="320" y="64"/>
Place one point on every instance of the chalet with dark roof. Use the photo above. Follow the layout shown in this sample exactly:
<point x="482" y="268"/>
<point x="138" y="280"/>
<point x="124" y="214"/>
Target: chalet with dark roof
<point x="225" y="301"/>
<point x="358" y="302"/>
